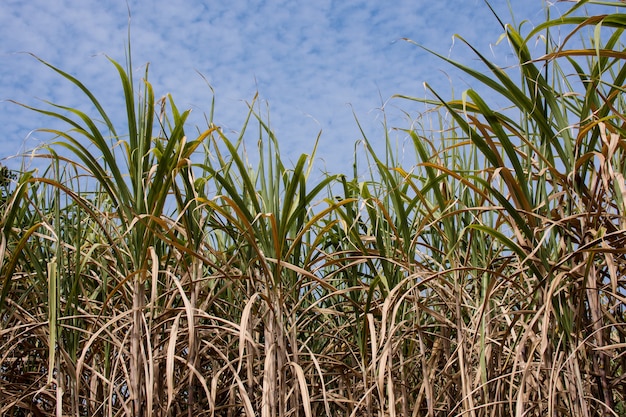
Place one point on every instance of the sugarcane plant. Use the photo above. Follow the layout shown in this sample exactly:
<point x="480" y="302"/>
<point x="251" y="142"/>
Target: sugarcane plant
<point x="153" y="269"/>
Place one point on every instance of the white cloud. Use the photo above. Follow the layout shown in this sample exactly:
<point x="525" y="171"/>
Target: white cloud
<point x="313" y="61"/>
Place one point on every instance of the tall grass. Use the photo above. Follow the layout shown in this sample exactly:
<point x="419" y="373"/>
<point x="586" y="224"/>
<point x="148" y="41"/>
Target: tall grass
<point x="148" y="272"/>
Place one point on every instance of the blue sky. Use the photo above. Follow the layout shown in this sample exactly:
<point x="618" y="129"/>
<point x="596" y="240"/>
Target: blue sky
<point x="313" y="62"/>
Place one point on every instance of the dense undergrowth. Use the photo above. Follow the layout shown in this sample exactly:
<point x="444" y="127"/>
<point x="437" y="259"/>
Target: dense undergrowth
<point x="154" y="272"/>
